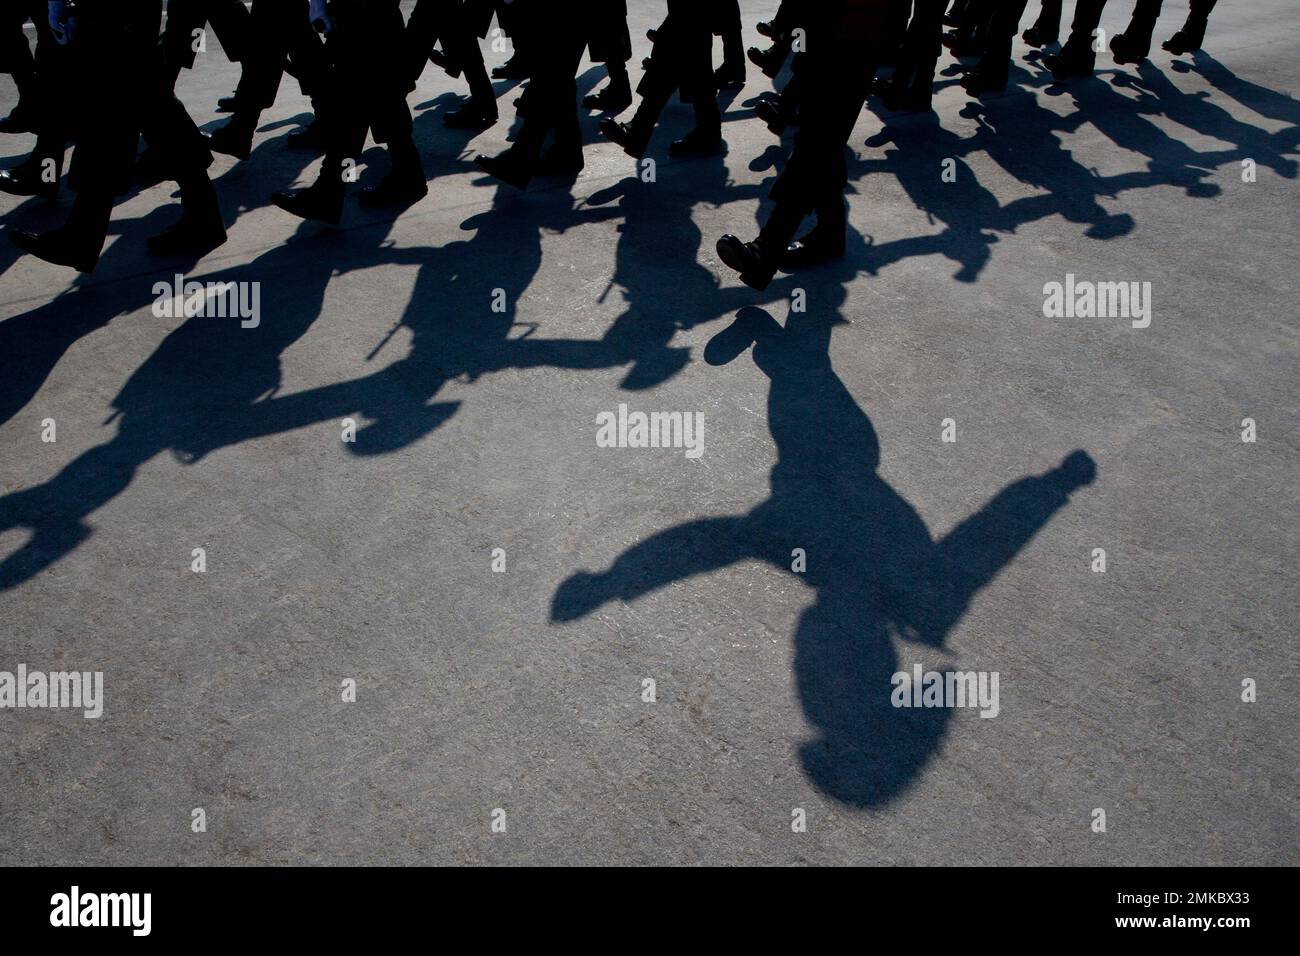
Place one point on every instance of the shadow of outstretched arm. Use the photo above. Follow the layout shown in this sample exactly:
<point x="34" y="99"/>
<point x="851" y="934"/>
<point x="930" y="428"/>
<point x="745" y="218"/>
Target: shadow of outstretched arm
<point x="971" y="555"/>
<point x="697" y="547"/>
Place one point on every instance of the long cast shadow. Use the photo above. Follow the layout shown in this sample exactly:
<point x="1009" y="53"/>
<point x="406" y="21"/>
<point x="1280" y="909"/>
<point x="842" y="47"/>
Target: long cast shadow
<point x="878" y="574"/>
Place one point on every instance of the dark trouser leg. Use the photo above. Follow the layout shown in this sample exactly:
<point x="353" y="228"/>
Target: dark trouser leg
<point x="733" y="47"/>
<point x="1048" y="24"/>
<point x="995" y="65"/>
<point x="816" y="175"/>
<point x="1136" y="38"/>
<point x="1192" y="35"/>
<point x="1078" y="49"/>
<point x="423" y="29"/>
<point x="922" y="45"/>
<point x="461" y="44"/>
<point x="232" y="24"/>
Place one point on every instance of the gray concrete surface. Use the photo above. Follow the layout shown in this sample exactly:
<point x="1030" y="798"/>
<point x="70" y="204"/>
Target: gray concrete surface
<point x="522" y="690"/>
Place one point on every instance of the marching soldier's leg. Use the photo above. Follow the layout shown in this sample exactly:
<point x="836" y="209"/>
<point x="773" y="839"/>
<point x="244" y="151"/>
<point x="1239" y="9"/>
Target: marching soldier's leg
<point x="816" y="174"/>
<point x="1077" y="58"/>
<point x="1192" y="35"/>
<point x="1047" y="28"/>
<point x="367" y="87"/>
<point x="121" y="76"/>
<point x="233" y="24"/>
<point x="263" y="69"/>
<point x="994" y="67"/>
<point x="184" y="158"/>
<point x="680" y="60"/>
<point x="610" y="43"/>
<point x="727" y="26"/>
<point x="16" y="59"/>
<point x="460" y="42"/>
<point x="39" y="173"/>
<point x="1134" y="43"/>
<point x="555" y="55"/>
<point x="912" y="86"/>
<point x="510" y="14"/>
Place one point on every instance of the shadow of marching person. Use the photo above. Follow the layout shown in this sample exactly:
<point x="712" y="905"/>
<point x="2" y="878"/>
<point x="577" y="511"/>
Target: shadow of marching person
<point x="878" y="574"/>
<point x="206" y="372"/>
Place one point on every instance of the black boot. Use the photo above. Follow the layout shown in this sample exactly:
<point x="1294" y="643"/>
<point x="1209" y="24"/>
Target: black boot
<point x="1124" y="50"/>
<point x="38" y="176"/>
<point x="769" y="61"/>
<point x="505" y="168"/>
<point x="1035" y="38"/>
<point x="78" y="242"/>
<point x="235" y="138"/>
<point x="404" y="185"/>
<point x="322" y="201"/>
<point x="511" y="69"/>
<point x="200" y="228"/>
<point x="1188" y="39"/>
<point x="312" y="136"/>
<point x="1067" y="67"/>
<point x="632" y="138"/>
<point x="983" y="80"/>
<point x="770" y="113"/>
<point x="749" y="259"/>
<point x="615" y="97"/>
<point x="228" y="104"/>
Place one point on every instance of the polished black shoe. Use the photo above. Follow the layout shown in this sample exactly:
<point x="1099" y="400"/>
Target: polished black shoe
<point x="561" y="161"/>
<point x="769" y="61"/>
<point x="1124" y="50"/>
<point x="696" y="143"/>
<point x="766" y="28"/>
<point x="611" y="99"/>
<point x="1065" y="68"/>
<point x="29" y="179"/>
<point x="442" y="61"/>
<point x="652" y="35"/>
<point x="322" y="203"/>
<point x="813" y="249"/>
<point x="233" y="139"/>
<point x="624" y="136"/>
<point x="228" y="104"/>
<point x="469" y="116"/>
<point x="58" y="246"/>
<point x="979" y="82"/>
<point x="511" y="69"/>
<point x="312" y="136"/>
<point x="504" y="168"/>
<point x="747" y="259"/>
<point x="1184" y="41"/>
<point x="191" y="235"/>
<point x="729" y="74"/>
<point x="770" y="114"/>
<point x="1035" y="39"/>
<point x="961" y="45"/>
<point x="396" y="189"/>
<point x="21" y="120"/>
